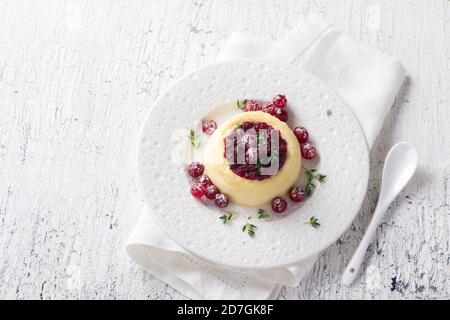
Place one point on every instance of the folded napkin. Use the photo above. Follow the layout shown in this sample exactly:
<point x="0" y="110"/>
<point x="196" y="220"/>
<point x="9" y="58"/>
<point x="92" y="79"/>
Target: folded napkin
<point x="367" y="79"/>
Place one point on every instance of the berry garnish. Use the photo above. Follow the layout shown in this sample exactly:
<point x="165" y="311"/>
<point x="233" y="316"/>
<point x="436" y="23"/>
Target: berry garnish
<point x="221" y="200"/>
<point x="282" y="148"/>
<point x="269" y="108"/>
<point x="204" y="179"/>
<point x="281" y="114"/>
<point x="308" y="151"/>
<point x="198" y="190"/>
<point x="252" y="105"/>
<point x="244" y="148"/>
<point x="279" y="101"/>
<point x="195" y="169"/>
<point x="211" y="191"/>
<point x="279" y="204"/>
<point x="301" y="133"/>
<point x="209" y="126"/>
<point x="297" y="194"/>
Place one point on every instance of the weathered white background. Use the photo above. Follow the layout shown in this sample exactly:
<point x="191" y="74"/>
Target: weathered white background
<point x="76" y="79"/>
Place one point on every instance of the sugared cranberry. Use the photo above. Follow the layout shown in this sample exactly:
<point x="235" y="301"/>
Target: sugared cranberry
<point x="198" y="190"/>
<point x="209" y="126"/>
<point x="301" y="133"/>
<point x="252" y="105"/>
<point x="281" y="114"/>
<point x="221" y="200"/>
<point x="204" y="179"/>
<point x="195" y="169"/>
<point x="269" y="108"/>
<point x="211" y="191"/>
<point x="297" y="194"/>
<point x="279" y="101"/>
<point x="279" y="204"/>
<point x="308" y="151"/>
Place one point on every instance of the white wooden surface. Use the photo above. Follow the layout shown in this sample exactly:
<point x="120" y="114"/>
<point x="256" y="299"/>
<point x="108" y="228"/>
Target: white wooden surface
<point x="76" y="79"/>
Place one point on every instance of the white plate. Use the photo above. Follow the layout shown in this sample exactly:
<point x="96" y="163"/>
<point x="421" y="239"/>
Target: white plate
<point x="282" y="240"/>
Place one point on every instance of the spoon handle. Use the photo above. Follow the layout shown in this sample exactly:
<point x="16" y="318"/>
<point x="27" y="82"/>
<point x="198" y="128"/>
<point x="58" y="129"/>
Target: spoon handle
<point x="352" y="269"/>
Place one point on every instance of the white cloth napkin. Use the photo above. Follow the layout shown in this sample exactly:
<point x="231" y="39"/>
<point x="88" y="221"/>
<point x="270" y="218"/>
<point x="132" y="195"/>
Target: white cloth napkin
<point x="367" y="79"/>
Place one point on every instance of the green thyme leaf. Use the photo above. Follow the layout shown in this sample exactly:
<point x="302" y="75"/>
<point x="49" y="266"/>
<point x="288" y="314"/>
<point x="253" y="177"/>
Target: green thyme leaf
<point x="226" y="217"/>
<point x="250" y="228"/>
<point x="262" y="214"/>
<point x="313" y="221"/>
<point x="311" y="175"/>
<point x="241" y="103"/>
<point x="193" y="138"/>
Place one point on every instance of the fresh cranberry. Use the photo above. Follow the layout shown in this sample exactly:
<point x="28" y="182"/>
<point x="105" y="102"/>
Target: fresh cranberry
<point x="281" y="114"/>
<point x="195" y="169"/>
<point x="209" y="126"/>
<point x="198" y="190"/>
<point x="279" y="101"/>
<point x="282" y="146"/>
<point x="252" y="105"/>
<point x="297" y="194"/>
<point x="204" y="179"/>
<point x="261" y="125"/>
<point x="247" y="125"/>
<point x="211" y="191"/>
<point x="221" y="200"/>
<point x="269" y="108"/>
<point x="302" y="134"/>
<point x="308" y="151"/>
<point x="279" y="204"/>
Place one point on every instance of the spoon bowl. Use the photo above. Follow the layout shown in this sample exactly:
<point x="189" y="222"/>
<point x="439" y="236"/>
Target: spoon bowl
<point x="400" y="165"/>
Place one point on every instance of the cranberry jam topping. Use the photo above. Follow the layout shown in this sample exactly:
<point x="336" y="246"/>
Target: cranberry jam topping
<point x="255" y="150"/>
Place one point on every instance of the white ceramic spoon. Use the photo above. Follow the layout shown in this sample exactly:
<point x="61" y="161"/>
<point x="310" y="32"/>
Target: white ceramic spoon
<point x="399" y="167"/>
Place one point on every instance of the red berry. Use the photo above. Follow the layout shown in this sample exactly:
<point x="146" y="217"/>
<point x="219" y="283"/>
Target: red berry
<point x="252" y="105"/>
<point x="209" y="126"/>
<point x="282" y="146"/>
<point x="269" y="108"/>
<point x="281" y="114"/>
<point x="279" y="204"/>
<point x="279" y="101"/>
<point x="247" y="125"/>
<point x="204" y="179"/>
<point x="221" y="200"/>
<point x="198" y="190"/>
<point x="211" y="191"/>
<point x="308" y="151"/>
<point x="297" y="194"/>
<point x="195" y="169"/>
<point x="301" y="133"/>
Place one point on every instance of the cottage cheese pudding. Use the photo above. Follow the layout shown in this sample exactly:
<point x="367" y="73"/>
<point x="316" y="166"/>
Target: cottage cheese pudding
<point x="253" y="158"/>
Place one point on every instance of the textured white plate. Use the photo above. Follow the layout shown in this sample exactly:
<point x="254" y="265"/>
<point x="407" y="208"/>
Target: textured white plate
<point x="281" y="240"/>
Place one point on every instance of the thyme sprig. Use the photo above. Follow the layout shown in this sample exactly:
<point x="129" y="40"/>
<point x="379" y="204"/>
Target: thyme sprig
<point x="311" y="175"/>
<point x="226" y="217"/>
<point x="250" y="228"/>
<point x="193" y="138"/>
<point x="262" y="214"/>
<point x="241" y="103"/>
<point x="313" y="221"/>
